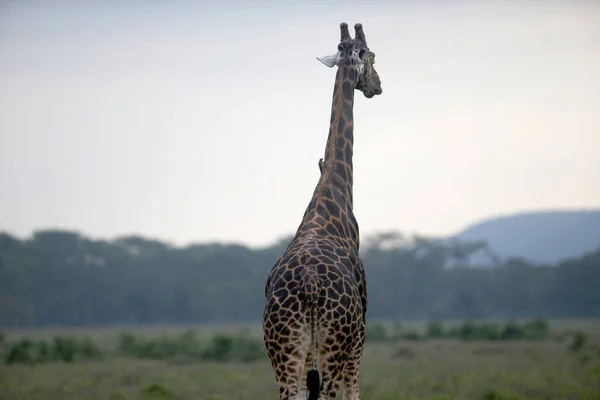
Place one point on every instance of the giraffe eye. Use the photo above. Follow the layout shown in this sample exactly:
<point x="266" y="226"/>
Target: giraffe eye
<point x="361" y="53"/>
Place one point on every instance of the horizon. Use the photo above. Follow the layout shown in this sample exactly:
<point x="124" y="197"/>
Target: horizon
<point x="121" y="119"/>
<point x="286" y="236"/>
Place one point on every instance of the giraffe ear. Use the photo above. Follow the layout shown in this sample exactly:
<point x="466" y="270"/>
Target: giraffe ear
<point x="331" y="60"/>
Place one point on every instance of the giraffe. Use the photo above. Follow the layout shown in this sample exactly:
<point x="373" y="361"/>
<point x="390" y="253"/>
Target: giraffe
<point x="316" y="294"/>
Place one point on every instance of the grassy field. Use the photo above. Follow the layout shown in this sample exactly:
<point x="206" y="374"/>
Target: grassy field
<point x="564" y="365"/>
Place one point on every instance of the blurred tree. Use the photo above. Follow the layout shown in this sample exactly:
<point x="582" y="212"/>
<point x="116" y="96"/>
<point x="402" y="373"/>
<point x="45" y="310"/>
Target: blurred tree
<point x="63" y="278"/>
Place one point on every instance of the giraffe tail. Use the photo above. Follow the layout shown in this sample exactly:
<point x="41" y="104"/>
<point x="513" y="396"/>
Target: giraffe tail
<point x="312" y="291"/>
<point x="313" y="383"/>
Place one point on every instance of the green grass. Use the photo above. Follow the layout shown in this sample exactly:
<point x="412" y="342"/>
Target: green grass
<point x="174" y="364"/>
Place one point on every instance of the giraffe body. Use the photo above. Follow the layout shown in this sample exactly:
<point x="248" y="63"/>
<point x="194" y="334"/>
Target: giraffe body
<point x="316" y="297"/>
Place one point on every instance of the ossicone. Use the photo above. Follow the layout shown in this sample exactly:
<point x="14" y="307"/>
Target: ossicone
<point x="344" y="33"/>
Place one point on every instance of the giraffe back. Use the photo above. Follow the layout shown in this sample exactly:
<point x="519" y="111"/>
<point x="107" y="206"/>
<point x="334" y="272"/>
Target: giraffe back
<point x="332" y="273"/>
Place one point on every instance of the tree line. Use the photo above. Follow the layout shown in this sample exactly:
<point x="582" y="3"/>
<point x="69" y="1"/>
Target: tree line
<point x="63" y="278"/>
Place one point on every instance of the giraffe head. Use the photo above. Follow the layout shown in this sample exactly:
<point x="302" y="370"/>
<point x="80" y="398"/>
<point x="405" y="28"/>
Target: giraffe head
<point x="356" y="53"/>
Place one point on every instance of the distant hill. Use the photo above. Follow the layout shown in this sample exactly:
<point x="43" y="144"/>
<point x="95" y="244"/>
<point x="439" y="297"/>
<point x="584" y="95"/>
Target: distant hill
<point x="543" y="236"/>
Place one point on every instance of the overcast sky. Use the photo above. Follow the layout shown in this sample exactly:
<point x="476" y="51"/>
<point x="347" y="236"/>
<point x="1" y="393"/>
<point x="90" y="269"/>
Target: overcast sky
<point x="196" y="121"/>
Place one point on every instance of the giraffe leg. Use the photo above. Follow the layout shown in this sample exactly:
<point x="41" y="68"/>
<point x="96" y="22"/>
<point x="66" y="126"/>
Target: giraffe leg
<point x="351" y="387"/>
<point x="287" y="346"/>
<point x="287" y="369"/>
<point x="332" y="374"/>
<point x="333" y="365"/>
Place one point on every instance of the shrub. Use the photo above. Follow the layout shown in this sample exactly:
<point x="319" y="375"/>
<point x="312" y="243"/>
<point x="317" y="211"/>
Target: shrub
<point x="140" y="347"/>
<point x="538" y="329"/>
<point x="435" y="330"/>
<point x="160" y="348"/>
<point x="410" y="335"/>
<point x="535" y="330"/>
<point x="493" y="394"/>
<point x="578" y="342"/>
<point x="241" y="348"/>
<point x="512" y="331"/>
<point x="20" y="352"/>
<point x="467" y="331"/>
<point x="247" y="349"/>
<point x="220" y="348"/>
<point x="64" y="348"/>
<point x="155" y="391"/>
<point x="488" y="332"/>
<point x="44" y="351"/>
<point x="89" y="350"/>
<point x="376" y="332"/>
<point x="60" y="348"/>
<point x="127" y="344"/>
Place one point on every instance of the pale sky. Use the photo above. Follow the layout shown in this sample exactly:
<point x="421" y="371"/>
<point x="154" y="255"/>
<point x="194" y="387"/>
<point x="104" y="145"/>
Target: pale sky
<point x="198" y="121"/>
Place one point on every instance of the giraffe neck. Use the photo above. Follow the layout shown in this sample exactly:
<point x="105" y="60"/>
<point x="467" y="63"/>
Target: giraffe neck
<point x="337" y="167"/>
<point x="330" y="211"/>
